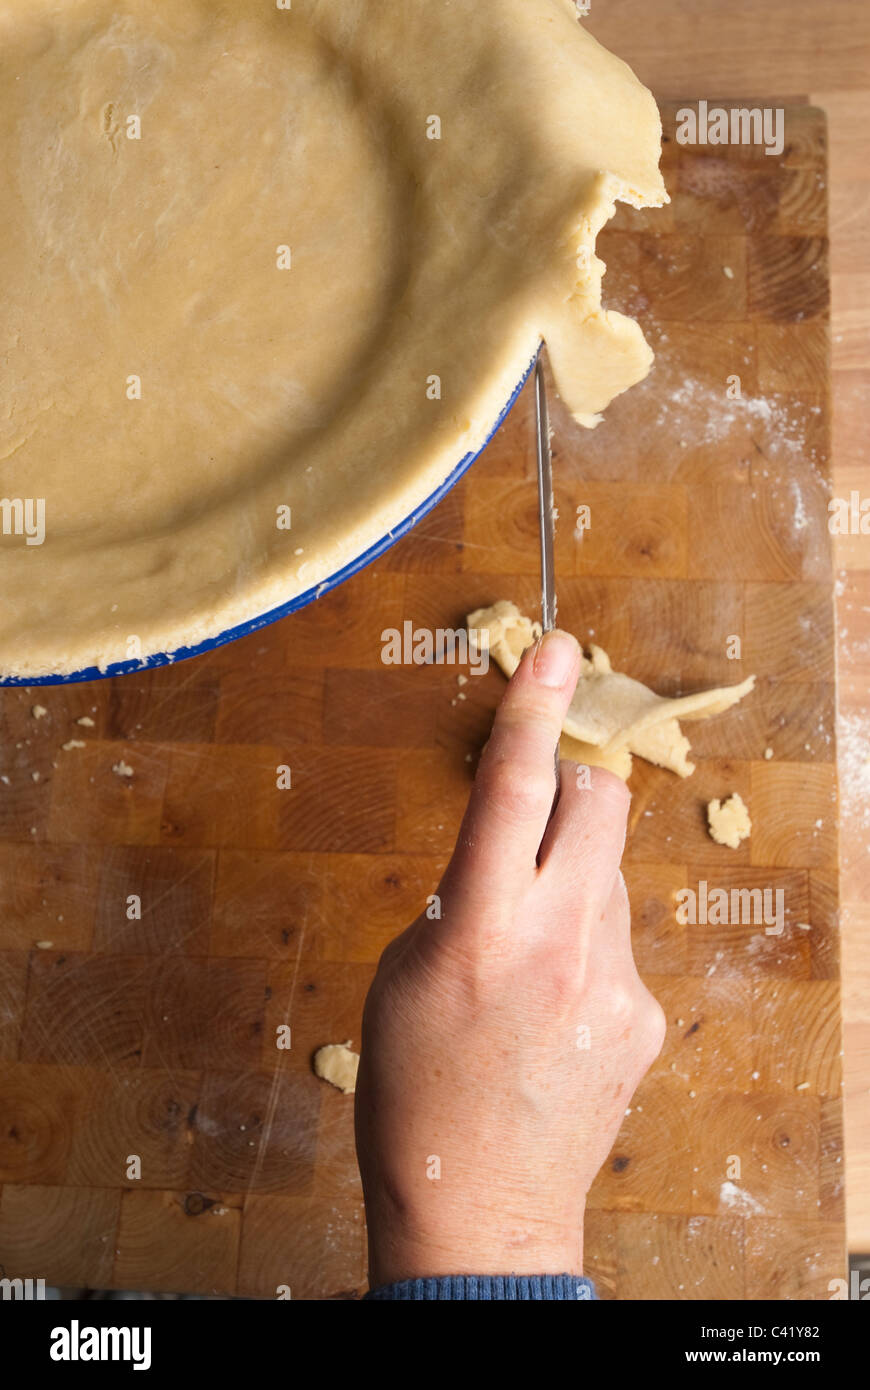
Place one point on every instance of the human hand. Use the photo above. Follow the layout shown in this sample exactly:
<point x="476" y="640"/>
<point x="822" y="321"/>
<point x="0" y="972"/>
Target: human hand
<point x="502" y="1043"/>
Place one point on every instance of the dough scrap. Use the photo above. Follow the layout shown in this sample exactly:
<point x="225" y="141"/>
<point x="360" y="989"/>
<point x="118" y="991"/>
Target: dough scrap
<point x="611" y="715"/>
<point x="246" y="340"/>
<point x="728" y="821"/>
<point x="338" y="1065"/>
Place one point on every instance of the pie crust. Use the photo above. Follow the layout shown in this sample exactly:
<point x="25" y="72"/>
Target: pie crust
<point x="177" y="388"/>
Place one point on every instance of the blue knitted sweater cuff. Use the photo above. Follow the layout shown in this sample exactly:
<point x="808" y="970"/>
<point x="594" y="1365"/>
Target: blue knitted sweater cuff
<point x="490" y="1288"/>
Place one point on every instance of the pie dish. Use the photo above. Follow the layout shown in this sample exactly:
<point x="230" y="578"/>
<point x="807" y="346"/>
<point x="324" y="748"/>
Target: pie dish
<point x="270" y="277"/>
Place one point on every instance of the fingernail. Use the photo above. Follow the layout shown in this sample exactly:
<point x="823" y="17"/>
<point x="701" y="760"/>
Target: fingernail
<point x="555" y="658"/>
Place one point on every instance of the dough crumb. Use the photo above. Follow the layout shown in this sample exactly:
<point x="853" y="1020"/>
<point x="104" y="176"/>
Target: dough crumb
<point x="768" y="753"/>
<point x="728" y="821"/>
<point x="336" y="1064"/>
<point x="121" y="769"/>
<point x="728" y="272"/>
<point x="86" y="721"/>
<point x="72" y="743"/>
<point x="43" y="945"/>
<point x="39" y="711"/>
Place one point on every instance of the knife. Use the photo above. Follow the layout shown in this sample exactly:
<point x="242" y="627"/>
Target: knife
<point x="546" y="511"/>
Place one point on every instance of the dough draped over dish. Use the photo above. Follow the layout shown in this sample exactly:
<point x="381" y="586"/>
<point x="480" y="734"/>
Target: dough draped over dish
<point x="269" y="276"/>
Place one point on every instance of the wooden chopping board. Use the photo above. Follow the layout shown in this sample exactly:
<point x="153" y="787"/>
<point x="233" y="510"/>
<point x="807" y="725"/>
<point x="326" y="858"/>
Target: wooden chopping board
<point x="154" y="1037"/>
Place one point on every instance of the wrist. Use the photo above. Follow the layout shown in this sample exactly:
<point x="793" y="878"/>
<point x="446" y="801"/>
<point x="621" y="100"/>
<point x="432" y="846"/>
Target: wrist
<point x="476" y="1242"/>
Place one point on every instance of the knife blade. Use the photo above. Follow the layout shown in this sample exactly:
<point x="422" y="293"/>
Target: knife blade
<point x="546" y="514"/>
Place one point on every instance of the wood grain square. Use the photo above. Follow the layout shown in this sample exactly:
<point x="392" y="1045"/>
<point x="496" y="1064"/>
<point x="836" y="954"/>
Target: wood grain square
<point x="832" y="1166"/>
<point x="824" y="922"/>
<point x="204" y="1013"/>
<point x="431" y="799"/>
<point x="321" y="1002"/>
<point x="708" y="1045"/>
<point x="278" y="709"/>
<point x="339" y="801"/>
<point x="369" y="899"/>
<point x="38" y="1107"/>
<point x="713" y="194"/>
<point x="668" y="816"/>
<point x="796" y="1036"/>
<point x="47" y="893"/>
<point x="684" y="276"/>
<point x="599" y="1252"/>
<point x="256" y="1131"/>
<point x="314" y="1249"/>
<point x="757" y="1154"/>
<point x="110" y="807"/>
<point x="700" y="618"/>
<point x="643" y="537"/>
<point x="679" y="1257"/>
<point x="392" y="708"/>
<point x="750" y="942"/>
<point x="793" y="1259"/>
<point x="58" y="708"/>
<point x="169" y="893"/>
<point x="85" y="1010"/>
<point x="787" y="278"/>
<point x="501" y="528"/>
<point x="64" y="1235"/>
<point x="768" y="528"/>
<point x="795" y="810"/>
<point x="268" y="905"/>
<point x="224" y="795"/>
<point x="25" y="805"/>
<point x="344" y="626"/>
<point x="162" y="706"/>
<point x="13" y="990"/>
<point x="789" y="632"/>
<point x="649" y="1168"/>
<point x="658" y="941"/>
<point x="793" y="357"/>
<point x="178" y="1242"/>
<point x="149" y="1115"/>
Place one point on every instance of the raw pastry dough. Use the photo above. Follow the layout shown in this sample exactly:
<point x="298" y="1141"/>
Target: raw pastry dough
<point x="309" y="279"/>
<point x="611" y="716"/>
<point x="729" y="821"/>
<point x="336" y="1064"/>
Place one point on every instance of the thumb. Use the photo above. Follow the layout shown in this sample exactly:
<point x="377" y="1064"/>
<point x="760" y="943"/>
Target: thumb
<point x="513" y="792"/>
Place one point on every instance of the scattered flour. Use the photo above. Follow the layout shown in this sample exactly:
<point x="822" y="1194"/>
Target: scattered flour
<point x="736" y="1200"/>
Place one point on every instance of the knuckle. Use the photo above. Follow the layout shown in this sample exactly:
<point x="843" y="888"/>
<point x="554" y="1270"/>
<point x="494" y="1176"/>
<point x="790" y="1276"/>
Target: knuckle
<point x="520" y="793"/>
<point x="612" y="791"/>
<point x="655" y="1024"/>
<point x="633" y="1008"/>
<point x="623" y="1005"/>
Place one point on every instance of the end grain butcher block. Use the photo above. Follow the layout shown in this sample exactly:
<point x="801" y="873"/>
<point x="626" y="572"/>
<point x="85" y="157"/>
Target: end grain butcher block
<point x="154" y="1036"/>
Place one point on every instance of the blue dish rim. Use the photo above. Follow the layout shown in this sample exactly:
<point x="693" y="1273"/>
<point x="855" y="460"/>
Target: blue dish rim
<point x="232" y="634"/>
